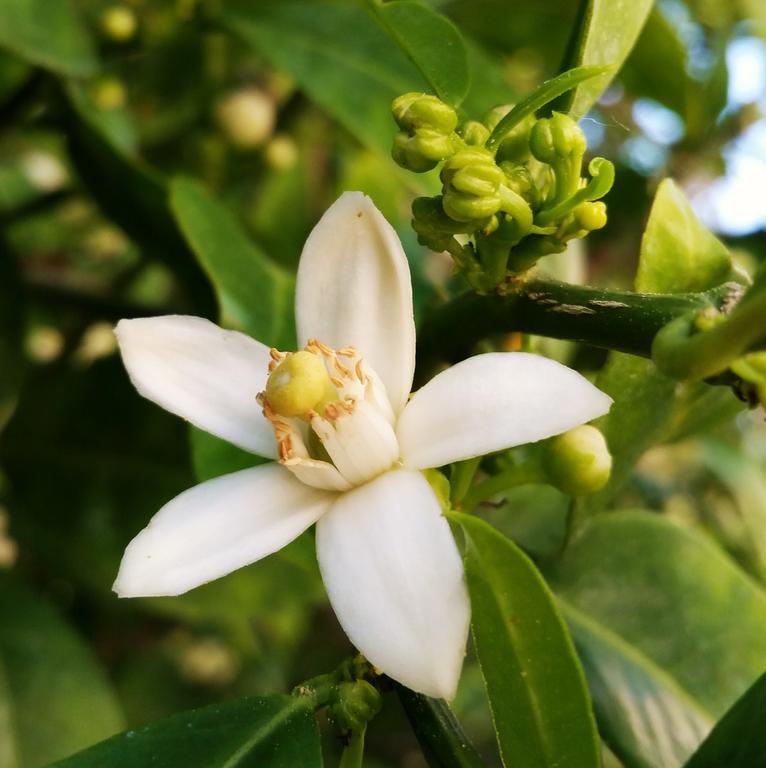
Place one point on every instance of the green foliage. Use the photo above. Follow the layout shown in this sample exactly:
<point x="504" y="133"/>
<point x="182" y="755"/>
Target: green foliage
<point x="254" y="294"/>
<point x="738" y="740"/>
<point x="540" y="706"/>
<point x="678" y="253"/>
<point x="237" y="734"/>
<point x="607" y="32"/>
<point x="49" y="34"/>
<point x="54" y="696"/>
<point x="431" y="42"/>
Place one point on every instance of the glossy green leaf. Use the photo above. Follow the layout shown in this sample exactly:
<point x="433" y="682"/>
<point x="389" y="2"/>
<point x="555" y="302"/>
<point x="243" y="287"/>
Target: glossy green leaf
<point x="643" y="713"/>
<point x="675" y="596"/>
<point x="212" y="457"/>
<point x="57" y="697"/>
<point x="337" y="54"/>
<point x="607" y="32"/>
<point x="254" y="294"/>
<point x="535" y="684"/>
<point x="546" y="93"/>
<point x="47" y="33"/>
<point x="678" y="252"/>
<point x="738" y="739"/>
<point x="273" y="731"/>
<point x="431" y="42"/>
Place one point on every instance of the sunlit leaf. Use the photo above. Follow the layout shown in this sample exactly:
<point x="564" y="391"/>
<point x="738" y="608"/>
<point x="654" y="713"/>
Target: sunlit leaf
<point x="536" y="688"/>
<point x="608" y="30"/>
<point x="678" y="252"/>
<point x="273" y="731"/>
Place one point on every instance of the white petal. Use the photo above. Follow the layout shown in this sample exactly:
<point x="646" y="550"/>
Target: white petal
<point x="200" y="372"/>
<point x="354" y="290"/>
<point x="494" y="401"/>
<point x="215" y="528"/>
<point x="395" y="579"/>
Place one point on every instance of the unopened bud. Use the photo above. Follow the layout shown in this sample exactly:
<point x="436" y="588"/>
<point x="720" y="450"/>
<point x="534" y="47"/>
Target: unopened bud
<point x="578" y="462"/>
<point x="108" y="93"/>
<point x="471" y="185"/>
<point x="419" y="110"/>
<point x="246" y="117"/>
<point x="590" y="216"/>
<point x="555" y="138"/>
<point x="356" y="704"/>
<point x="281" y="153"/>
<point x="119" y="23"/>
<point x="474" y="133"/>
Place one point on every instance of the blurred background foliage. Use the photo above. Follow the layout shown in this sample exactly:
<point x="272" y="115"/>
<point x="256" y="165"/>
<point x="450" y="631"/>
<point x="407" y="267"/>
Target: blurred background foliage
<point x="171" y="156"/>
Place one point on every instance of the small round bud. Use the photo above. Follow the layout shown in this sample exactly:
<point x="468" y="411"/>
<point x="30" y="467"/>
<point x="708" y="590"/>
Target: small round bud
<point x="357" y="703"/>
<point x="590" y="216"/>
<point x="281" y="152"/>
<point x="578" y="462"/>
<point x="298" y="384"/>
<point x="474" y="133"/>
<point x="555" y="138"/>
<point x="471" y="185"/>
<point x="419" y="110"/>
<point x="108" y="93"/>
<point x="119" y="23"/>
<point x="404" y="155"/>
<point x="431" y="144"/>
<point x="246" y="117"/>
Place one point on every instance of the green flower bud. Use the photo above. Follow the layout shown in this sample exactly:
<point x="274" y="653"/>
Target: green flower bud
<point x="474" y="133"/>
<point x="471" y="185"/>
<point x="590" y="216"/>
<point x="419" y="110"/>
<point x="119" y="23"/>
<point x="578" y="462"/>
<point x="356" y="704"/>
<point x="431" y="144"/>
<point x="519" y="179"/>
<point x="556" y="138"/>
<point x="407" y="157"/>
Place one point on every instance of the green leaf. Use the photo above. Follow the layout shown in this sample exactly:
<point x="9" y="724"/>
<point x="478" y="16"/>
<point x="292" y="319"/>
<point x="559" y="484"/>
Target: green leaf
<point x="678" y="253"/>
<point x="431" y="42"/>
<point x="607" y="32"/>
<point x="673" y="595"/>
<point x="738" y="739"/>
<point x="254" y="294"/>
<point x="546" y="93"/>
<point x="57" y="698"/>
<point x="342" y="60"/>
<point x="49" y="34"/>
<point x="273" y="731"/>
<point x="9" y="750"/>
<point x="535" y="684"/>
<point x="643" y="713"/>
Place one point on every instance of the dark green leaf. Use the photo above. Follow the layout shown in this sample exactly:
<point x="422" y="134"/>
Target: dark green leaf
<point x="337" y="54"/>
<point x="212" y="457"/>
<point x="60" y="699"/>
<point x="643" y="713"/>
<point x="431" y="42"/>
<point x="535" y="684"/>
<point x="47" y="33"/>
<point x="738" y="739"/>
<point x="675" y="596"/>
<point x="273" y="731"/>
<point x="678" y="252"/>
<point x="254" y="293"/>
<point x="608" y="30"/>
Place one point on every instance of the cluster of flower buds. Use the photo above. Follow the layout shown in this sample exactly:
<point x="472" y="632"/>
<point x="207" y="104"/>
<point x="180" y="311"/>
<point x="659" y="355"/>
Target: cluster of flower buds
<point x="512" y="185"/>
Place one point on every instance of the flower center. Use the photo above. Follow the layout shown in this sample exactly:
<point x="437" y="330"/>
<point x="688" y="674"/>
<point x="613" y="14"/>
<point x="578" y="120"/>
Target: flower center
<point x="331" y="416"/>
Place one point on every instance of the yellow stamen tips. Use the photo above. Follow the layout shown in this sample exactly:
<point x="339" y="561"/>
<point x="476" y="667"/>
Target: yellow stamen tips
<point x="299" y="384"/>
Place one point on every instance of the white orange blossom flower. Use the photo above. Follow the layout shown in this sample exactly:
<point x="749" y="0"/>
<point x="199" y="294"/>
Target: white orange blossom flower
<point x="349" y="444"/>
